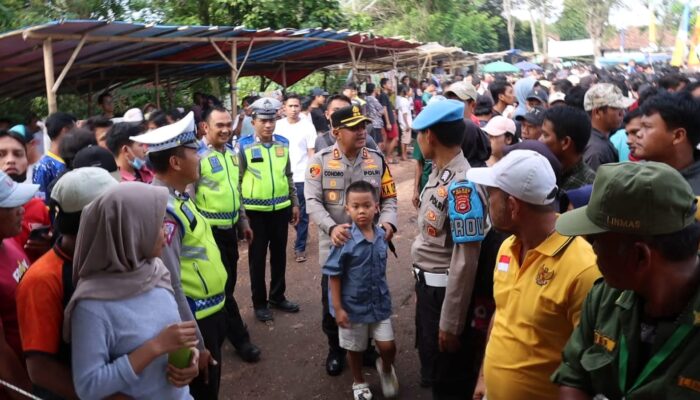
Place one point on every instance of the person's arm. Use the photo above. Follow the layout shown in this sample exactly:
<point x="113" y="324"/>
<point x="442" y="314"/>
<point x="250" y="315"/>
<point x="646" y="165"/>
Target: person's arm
<point x="292" y="193"/>
<point x="417" y="176"/>
<point x="388" y="205"/>
<point x="171" y="259"/>
<point x="313" y="191"/>
<point x="11" y="368"/>
<point x="51" y="374"/>
<point x="333" y="267"/>
<point x="460" y="283"/>
<point x="96" y="373"/>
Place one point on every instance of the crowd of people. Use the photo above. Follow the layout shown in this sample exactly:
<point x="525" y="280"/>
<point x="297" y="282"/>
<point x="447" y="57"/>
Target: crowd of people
<point x="556" y="256"/>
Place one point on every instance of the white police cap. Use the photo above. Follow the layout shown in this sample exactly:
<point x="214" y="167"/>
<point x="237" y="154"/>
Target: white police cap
<point x="265" y="108"/>
<point x="170" y="136"/>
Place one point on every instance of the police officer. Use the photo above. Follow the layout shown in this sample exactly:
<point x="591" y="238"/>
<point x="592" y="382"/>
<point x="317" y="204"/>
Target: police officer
<point x="271" y="203"/>
<point x="190" y="252"/>
<point x="638" y="336"/>
<point x="329" y="173"/>
<point x="445" y="253"/>
<point x="219" y="201"/>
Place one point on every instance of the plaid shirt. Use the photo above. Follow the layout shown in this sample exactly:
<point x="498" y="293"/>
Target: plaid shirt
<point x="579" y="175"/>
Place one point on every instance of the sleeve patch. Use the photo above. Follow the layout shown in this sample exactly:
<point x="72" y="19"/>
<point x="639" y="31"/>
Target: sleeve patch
<point x="169" y="227"/>
<point x="388" y="185"/>
<point x="466" y="212"/>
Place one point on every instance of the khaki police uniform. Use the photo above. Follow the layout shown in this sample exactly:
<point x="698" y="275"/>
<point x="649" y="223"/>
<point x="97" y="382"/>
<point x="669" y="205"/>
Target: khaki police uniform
<point x="445" y="275"/>
<point x="329" y="173"/>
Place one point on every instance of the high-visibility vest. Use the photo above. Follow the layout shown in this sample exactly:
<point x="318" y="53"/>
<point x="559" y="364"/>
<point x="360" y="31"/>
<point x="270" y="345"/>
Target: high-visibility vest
<point x="217" y="195"/>
<point x="202" y="272"/>
<point x="265" y="186"/>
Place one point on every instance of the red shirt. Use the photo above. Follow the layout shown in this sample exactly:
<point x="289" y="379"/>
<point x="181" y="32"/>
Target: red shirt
<point x="143" y="175"/>
<point x="13" y="264"/>
<point x="36" y="214"/>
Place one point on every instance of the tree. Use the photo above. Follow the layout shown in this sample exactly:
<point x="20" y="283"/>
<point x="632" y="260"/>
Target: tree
<point x="510" y="22"/>
<point x="597" y="15"/>
<point x="571" y="24"/>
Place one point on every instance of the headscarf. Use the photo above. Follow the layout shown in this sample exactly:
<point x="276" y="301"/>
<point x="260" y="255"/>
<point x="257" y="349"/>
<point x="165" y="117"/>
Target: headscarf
<point x="522" y="88"/>
<point x="476" y="146"/>
<point x="117" y="235"/>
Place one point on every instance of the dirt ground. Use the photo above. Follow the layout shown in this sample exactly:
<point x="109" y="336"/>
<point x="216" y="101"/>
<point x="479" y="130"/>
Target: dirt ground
<point x="294" y="348"/>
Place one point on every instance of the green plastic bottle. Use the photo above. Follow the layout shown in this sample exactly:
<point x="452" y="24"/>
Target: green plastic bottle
<point x="180" y="358"/>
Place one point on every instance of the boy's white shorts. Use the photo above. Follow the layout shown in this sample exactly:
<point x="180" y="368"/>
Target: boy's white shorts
<point x="355" y="337"/>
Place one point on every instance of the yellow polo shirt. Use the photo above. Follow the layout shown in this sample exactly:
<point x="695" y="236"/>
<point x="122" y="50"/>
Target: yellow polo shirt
<point x="538" y="303"/>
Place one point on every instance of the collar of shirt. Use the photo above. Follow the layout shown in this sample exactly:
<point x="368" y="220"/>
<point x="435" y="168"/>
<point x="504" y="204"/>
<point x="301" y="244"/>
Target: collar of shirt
<point x="55" y="156"/>
<point x="576" y="168"/>
<point x="550" y="247"/>
<point x="628" y="300"/>
<point x="456" y="164"/>
<point x="182" y="196"/>
<point x="598" y="134"/>
<point x="358" y="236"/>
<point x="691" y="170"/>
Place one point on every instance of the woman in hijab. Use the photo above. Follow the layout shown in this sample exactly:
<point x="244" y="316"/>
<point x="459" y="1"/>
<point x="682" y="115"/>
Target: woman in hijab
<point x="123" y="316"/>
<point x="522" y="89"/>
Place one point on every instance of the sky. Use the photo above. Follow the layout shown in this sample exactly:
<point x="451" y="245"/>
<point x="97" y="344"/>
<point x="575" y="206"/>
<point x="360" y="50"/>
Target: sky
<point x="632" y="13"/>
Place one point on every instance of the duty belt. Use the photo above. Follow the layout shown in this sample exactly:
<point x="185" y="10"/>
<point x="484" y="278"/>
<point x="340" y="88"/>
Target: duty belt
<point x="431" y="279"/>
<point x="265" y="202"/>
<point x="228" y="216"/>
<point x="203" y="304"/>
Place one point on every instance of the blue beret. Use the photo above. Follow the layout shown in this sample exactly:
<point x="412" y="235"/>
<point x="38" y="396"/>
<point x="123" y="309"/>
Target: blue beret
<point x="439" y="111"/>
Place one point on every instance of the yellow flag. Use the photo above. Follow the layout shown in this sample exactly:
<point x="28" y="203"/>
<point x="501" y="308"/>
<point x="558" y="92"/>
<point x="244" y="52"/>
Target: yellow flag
<point x="679" y="51"/>
<point x="652" y="28"/>
<point x="693" y="60"/>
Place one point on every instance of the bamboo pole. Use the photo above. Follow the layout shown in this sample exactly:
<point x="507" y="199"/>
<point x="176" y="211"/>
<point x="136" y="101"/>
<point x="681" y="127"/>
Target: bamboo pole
<point x="284" y="75"/>
<point x="49" y="76"/>
<point x="234" y="78"/>
<point x="68" y="65"/>
<point x="157" y="86"/>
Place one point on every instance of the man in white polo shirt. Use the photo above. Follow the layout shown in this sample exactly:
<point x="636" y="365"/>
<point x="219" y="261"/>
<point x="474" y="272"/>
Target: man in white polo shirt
<point x="301" y="135"/>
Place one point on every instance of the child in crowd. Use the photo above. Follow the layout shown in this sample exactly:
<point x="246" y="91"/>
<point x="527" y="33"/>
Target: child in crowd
<point x="361" y="303"/>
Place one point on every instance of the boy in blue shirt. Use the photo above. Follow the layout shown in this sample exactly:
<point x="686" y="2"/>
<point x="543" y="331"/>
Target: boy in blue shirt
<point x="361" y="303"/>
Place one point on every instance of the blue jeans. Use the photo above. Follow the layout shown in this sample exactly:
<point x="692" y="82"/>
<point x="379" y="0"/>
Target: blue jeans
<point x="303" y="225"/>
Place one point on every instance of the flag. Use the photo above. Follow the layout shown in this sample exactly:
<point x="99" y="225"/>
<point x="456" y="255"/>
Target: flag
<point x="679" y="51"/>
<point x="693" y="60"/>
<point x="652" y="28"/>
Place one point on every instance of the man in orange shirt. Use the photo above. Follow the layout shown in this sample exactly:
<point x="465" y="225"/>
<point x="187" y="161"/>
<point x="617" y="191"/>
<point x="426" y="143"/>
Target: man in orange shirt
<point x="47" y="286"/>
<point x="540" y="280"/>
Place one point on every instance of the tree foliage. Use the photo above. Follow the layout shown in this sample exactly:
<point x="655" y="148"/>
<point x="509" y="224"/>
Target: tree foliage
<point x="571" y="24"/>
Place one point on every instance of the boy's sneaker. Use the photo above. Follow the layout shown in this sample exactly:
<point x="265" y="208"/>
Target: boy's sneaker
<point x="360" y="391"/>
<point x="390" y="384"/>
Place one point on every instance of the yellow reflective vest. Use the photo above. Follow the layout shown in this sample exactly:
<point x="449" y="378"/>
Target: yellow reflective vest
<point x="264" y="183"/>
<point x="217" y="195"/>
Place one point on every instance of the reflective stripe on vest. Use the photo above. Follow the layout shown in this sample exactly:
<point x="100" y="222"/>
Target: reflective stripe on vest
<point x="217" y="196"/>
<point x="202" y="272"/>
<point x="265" y="186"/>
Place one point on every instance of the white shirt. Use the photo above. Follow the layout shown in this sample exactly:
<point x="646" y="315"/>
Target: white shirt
<point x="403" y="105"/>
<point x="302" y="137"/>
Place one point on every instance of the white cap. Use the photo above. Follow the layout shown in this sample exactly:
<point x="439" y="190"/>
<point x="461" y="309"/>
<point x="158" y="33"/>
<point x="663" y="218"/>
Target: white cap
<point x="523" y="174"/>
<point x="133" y="115"/>
<point x="13" y="194"/>
<point x="169" y="136"/>
<point x="499" y="125"/>
<point x="557" y="96"/>
<point x="79" y="187"/>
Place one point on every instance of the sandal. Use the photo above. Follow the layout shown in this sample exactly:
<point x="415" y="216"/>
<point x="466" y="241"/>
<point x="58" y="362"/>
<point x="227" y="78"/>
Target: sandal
<point x="300" y="257"/>
<point x="390" y="384"/>
<point x="360" y="391"/>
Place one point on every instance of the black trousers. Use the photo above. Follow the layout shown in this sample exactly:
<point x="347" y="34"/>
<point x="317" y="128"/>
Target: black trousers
<point x="213" y="330"/>
<point x="328" y="324"/>
<point x="227" y="241"/>
<point x="269" y="230"/>
<point x="453" y="375"/>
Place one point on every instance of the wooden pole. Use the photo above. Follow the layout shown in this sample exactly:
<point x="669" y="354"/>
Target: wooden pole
<point x="170" y="95"/>
<point x="157" y="87"/>
<point x="89" y="106"/>
<point x="234" y="78"/>
<point x="68" y="65"/>
<point x="49" y="76"/>
<point x="284" y="75"/>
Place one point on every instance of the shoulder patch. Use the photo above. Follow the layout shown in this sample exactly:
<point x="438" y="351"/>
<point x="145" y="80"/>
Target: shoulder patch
<point x="466" y="212"/>
<point x="388" y="185"/>
<point x="169" y="227"/>
<point x="215" y="164"/>
<point x="315" y="170"/>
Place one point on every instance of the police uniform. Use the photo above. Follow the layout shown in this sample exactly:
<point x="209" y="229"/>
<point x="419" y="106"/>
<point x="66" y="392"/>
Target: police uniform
<point x="268" y="195"/>
<point x="452" y="223"/>
<point x="218" y="200"/>
<point x="329" y="173"/>
<point x="198" y="276"/>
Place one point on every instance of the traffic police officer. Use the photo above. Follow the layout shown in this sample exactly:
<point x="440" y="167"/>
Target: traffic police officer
<point x="451" y="220"/>
<point x="271" y="203"/>
<point x="638" y="336"/>
<point x="190" y="252"/>
<point x="219" y="201"/>
<point x="329" y="173"/>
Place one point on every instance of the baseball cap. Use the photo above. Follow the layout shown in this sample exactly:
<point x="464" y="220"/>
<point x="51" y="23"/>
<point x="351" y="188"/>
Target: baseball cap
<point x="499" y="125"/>
<point x="647" y="198"/>
<point x="557" y="96"/>
<point x="13" y="194"/>
<point x="77" y="188"/>
<point x="265" y="108"/>
<point x="133" y="115"/>
<point x="538" y="94"/>
<point x="439" y="111"/>
<point x="605" y="95"/>
<point x="464" y="90"/>
<point x="540" y="148"/>
<point x="96" y="156"/>
<point x="535" y="116"/>
<point x="348" y="117"/>
<point x="523" y="174"/>
<point x="318" y="92"/>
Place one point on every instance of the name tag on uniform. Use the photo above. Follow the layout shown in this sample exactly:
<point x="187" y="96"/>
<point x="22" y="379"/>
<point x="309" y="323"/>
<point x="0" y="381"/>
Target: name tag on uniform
<point x="256" y="154"/>
<point x="279" y="151"/>
<point x="503" y="263"/>
<point x="215" y="164"/>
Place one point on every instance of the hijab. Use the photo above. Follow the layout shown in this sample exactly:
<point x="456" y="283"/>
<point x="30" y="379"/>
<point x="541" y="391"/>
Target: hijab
<point x="522" y="89"/>
<point x="114" y="247"/>
<point x="476" y="145"/>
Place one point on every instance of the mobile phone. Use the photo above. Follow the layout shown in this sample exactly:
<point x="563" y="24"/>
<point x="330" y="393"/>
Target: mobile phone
<point x="39" y="232"/>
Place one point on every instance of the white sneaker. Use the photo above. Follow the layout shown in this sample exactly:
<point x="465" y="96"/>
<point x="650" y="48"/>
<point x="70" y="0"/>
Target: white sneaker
<point x="360" y="391"/>
<point x="390" y="384"/>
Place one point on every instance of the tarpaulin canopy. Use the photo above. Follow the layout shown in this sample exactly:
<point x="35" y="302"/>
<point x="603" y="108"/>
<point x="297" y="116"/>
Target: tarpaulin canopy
<point x="500" y="67"/>
<point x="528" y="66"/>
<point x="94" y="55"/>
